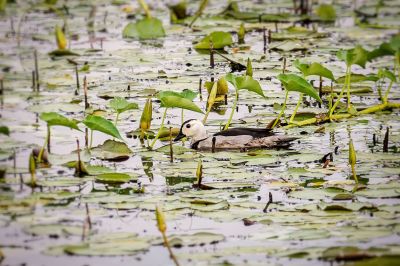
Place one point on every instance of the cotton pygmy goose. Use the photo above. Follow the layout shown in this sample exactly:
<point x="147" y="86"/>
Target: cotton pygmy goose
<point x="235" y="138"/>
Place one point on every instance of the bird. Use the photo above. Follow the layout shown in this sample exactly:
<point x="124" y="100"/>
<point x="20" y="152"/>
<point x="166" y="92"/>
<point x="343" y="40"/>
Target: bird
<point x="234" y="138"/>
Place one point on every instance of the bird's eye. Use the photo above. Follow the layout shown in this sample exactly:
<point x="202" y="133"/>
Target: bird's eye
<point x="188" y="126"/>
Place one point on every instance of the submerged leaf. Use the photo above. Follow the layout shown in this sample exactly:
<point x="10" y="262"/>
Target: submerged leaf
<point x="147" y="28"/>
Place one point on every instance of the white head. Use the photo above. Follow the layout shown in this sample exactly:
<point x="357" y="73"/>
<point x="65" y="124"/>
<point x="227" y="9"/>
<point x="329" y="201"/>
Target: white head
<point x="193" y="129"/>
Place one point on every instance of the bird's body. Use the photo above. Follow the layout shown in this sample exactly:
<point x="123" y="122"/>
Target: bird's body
<point x="235" y="138"/>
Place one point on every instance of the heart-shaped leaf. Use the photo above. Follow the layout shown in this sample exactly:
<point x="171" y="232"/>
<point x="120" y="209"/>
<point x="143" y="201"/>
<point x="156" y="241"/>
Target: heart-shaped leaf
<point x="245" y="83"/>
<point x="219" y="40"/>
<point x="383" y="73"/>
<point x="314" y="69"/>
<point x="54" y="119"/>
<point x="121" y="105"/>
<point x="101" y="124"/>
<point x="354" y="56"/>
<point x="293" y="82"/>
<point x="147" y="28"/>
<point x="173" y="101"/>
<point x="383" y="50"/>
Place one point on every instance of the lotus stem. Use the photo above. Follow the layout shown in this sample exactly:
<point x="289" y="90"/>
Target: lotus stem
<point x="297" y="107"/>
<point x="282" y="110"/>
<point x="161" y="128"/>
<point x="233" y="111"/>
<point x="353" y="171"/>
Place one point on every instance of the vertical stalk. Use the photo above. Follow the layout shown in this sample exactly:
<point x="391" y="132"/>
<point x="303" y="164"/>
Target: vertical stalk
<point x="40" y="156"/>
<point x="116" y="119"/>
<point x="233" y="110"/>
<point x="182" y="119"/>
<point x="161" y="128"/>
<point x="171" y="254"/>
<point x="347" y="80"/>
<point x="171" y="150"/>
<point x="48" y="139"/>
<point x="385" y="98"/>
<point x="36" y="70"/>
<point x="91" y="139"/>
<point x="297" y="107"/>
<point x="282" y="111"/>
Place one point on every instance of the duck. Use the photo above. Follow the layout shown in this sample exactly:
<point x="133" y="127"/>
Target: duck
<point x="233" y="138"/>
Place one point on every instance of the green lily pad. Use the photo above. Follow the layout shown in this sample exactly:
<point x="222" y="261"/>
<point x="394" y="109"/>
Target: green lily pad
<point x="113" y="178"/>
<point x="112" y="150"/>
<point x="147" y="28"/>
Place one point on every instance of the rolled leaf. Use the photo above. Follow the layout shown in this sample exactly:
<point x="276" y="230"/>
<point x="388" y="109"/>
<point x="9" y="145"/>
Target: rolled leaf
<point x="162" y="226"/>
<point x="147" y="115"/>
<point x="60" y="38"/>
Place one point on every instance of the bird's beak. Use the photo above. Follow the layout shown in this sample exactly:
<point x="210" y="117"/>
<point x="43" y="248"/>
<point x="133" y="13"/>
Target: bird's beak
<point x="180" y="136"/>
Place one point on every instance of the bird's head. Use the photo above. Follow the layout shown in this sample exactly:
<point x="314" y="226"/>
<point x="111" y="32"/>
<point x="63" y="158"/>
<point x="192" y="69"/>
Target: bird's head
<point x="192" y="128"/>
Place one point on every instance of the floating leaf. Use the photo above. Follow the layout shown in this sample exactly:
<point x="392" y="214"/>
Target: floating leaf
<point x="326" y="12"/>
<point x="121" y="105"/>
<point x="111" y="150"/>
<point x="313" y="69"/>
<point x="113" y="178"/>
<point x="108" y="245"/>
<point x="147" y="28"/>
<point x="293" y="82"/>
<point x="54" y="119"/>
<point x="101" y="124"/>
<point x="219" y="40"/>
<point x="63" y="52"/>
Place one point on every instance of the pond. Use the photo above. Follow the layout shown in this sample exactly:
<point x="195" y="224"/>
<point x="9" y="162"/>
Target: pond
<point x="93" y="94"/>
